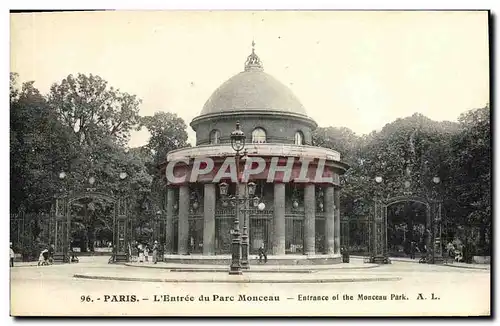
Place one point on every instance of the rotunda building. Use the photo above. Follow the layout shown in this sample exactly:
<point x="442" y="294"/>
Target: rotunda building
<point x="295" y="205"/>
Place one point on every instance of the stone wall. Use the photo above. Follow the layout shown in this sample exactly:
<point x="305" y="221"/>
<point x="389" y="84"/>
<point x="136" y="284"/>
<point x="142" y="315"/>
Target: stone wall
<point x="278" y="130"/>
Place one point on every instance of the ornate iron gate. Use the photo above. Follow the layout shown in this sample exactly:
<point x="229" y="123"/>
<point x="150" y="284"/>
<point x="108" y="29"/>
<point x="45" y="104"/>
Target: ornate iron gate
<point x="378" y="229"/>
<point x="60" y="226"/>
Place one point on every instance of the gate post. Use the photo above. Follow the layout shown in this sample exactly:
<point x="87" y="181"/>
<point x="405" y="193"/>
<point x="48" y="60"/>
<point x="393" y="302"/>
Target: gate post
<point x="61" y="230"/>
<point x="120" y="245"/>
<point x="379" y="236"/>
<point x="437" y="252"/>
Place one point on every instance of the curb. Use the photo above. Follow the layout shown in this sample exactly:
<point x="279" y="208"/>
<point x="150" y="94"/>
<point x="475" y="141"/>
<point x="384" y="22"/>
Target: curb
<point x="467" y="267"/>
<point x="444" y="264"/>
<point x="210" y="270"/>
<point x="158" y="280"/>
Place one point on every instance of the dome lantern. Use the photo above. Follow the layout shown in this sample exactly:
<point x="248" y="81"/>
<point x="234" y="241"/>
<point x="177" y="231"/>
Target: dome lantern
<point x="253" y="61"/>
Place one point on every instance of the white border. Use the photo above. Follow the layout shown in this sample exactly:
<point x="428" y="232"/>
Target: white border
<point x="190" y="5"/>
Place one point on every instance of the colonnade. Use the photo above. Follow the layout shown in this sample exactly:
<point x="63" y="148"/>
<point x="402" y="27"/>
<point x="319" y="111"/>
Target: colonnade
<point x="331" y="219"/>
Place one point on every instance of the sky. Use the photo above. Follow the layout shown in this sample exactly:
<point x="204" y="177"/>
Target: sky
<point x="359" y="69"/>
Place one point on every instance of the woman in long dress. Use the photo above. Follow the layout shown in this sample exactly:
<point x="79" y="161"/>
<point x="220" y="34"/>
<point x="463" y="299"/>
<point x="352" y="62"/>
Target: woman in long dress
<point x="146" y="253"/>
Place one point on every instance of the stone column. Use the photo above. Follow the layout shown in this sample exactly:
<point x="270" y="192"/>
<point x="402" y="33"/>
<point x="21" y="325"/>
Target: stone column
<point x="337" y="220"/>
<point x="209" y="198"/>
<point x="169" y="222"/>
<point x="183" y="239"/>
<point x="330" y="220"/>
<point x="279" y="219"/>
<point x="309" y="219"/>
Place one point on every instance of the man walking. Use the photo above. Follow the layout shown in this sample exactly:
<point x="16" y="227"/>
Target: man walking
<point x="262" y="253"/>
<point x="12" y="256"/>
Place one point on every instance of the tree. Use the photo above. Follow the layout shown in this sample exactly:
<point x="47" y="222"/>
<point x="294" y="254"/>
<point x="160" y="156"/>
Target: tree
<point x="94" y="111"/>
<point x="39" y="147"/>
<point x="470" y="165"/>
<point x="168" y="132"/>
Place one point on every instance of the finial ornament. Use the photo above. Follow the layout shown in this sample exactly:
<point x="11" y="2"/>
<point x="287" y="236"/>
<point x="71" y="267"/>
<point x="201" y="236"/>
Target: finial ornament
<point x="253" y="61"/>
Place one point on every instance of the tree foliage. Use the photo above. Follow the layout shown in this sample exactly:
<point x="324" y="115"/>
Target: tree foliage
<point x="93" y="110"/>
<point x="82" y="127"/>
<point x="408" y="153"/>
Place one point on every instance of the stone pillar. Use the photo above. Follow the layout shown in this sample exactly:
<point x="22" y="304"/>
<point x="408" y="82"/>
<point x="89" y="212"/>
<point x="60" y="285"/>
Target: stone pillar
<point x="279" y="219"/>
<point x="337" y="220"/>
<point x="309" y="219"/>
<point x="169" y="222"/>
<point x="183" y="238"/>
<point x="330" y="220"/>
<point x="209" y="198"/>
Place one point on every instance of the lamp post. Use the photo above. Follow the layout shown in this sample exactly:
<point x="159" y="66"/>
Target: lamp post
<point x="437" y="253"/>
<point x="240" y="203"/>
<point x="62" y="219"/>
<point x="239" y="243"/>
<point x="237" y="143"/>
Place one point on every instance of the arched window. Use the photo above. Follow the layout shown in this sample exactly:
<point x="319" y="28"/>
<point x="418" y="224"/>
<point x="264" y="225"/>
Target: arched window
<point x="215" y="137"/>
<point x="299" y="138"/>
<point x="258" y="135"/>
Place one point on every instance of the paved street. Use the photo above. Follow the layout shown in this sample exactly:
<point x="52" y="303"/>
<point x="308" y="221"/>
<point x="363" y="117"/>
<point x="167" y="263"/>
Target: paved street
<point x="53" y="290"/>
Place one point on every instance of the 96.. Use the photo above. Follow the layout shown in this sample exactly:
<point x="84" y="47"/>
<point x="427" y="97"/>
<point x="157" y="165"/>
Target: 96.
<point x="86" y="298"/>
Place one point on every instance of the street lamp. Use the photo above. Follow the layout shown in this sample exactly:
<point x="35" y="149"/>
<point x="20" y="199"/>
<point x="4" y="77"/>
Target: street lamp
<point x="238" y="139"/>
<point x="238" y="202"/>
<point x="437" y="253"/>
<point x="239" y="259"/>
<point x="237" y="143"/>
<point x="91" y="181"/>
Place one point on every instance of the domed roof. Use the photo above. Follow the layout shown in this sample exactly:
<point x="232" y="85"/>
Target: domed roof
<point x="253" y="90"/>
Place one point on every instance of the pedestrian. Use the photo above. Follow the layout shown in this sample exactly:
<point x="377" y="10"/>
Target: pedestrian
<point x="155" y="252"/>
<point x="450" y="248"/>
<point x="51" y="251"/>
<point x="413" y="248"/>
<point x="141" y="252"/>
<point x="12" y="256"/>
<point x="146" y="253"/>
<point x="262" y="253"/>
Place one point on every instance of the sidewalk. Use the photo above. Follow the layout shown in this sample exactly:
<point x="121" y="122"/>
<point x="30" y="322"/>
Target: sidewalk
<point x="448" y="264"/>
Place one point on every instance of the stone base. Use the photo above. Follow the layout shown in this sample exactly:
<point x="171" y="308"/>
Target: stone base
<point x="271" y="260"/>
<point x="121" y="258"/>
<point x="60" y="258"/>
<point x="380" y="260"/>
<point x="481" y="259"/>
